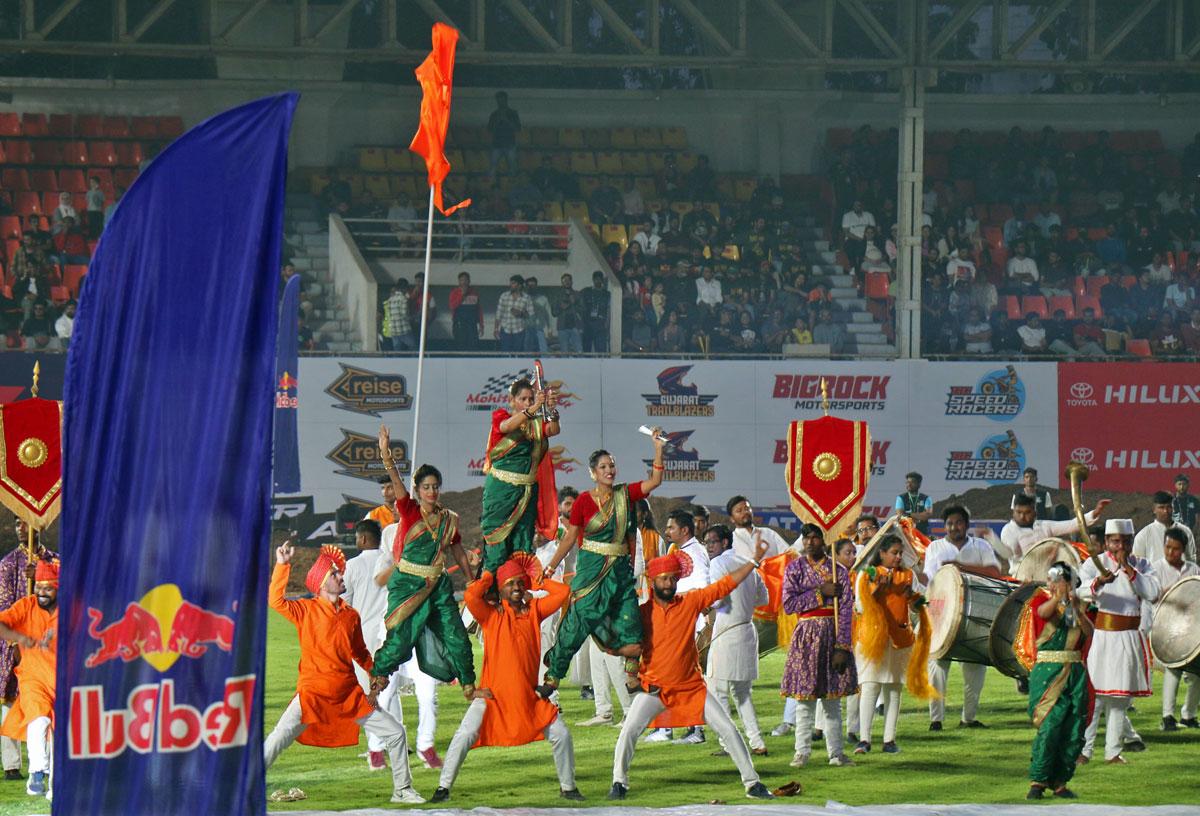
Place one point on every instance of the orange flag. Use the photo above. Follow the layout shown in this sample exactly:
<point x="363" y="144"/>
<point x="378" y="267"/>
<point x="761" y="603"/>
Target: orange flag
<point x="436" y="75"/>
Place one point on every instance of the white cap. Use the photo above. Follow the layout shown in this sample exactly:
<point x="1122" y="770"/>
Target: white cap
<point x="1118" y="527"/>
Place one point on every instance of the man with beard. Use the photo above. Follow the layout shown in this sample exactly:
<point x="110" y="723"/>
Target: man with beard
<point x="1025" y="529"/>
<point x="1148" y="544"/>
<point x="746" y="534"/>
<point x="675" y="691"/>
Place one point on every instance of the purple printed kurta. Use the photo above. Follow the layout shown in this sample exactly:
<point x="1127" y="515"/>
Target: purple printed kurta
<point x="808" y="673"/>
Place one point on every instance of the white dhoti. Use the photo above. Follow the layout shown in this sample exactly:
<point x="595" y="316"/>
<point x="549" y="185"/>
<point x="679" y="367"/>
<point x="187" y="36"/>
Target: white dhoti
<point x="1119" y="664"/>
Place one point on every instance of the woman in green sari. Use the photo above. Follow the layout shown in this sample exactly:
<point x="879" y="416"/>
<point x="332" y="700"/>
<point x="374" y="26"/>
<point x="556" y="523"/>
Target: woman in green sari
<point x="1058" y="682"/>
<point x="604" y="599"/>
<point x="422" y="613"/>
<point x="518" y="473"/>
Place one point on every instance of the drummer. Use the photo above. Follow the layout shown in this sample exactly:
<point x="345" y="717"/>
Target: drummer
<point x="1025" y="529"/>
<point x="969" y="554"/>
<point x="1172" y="569"/>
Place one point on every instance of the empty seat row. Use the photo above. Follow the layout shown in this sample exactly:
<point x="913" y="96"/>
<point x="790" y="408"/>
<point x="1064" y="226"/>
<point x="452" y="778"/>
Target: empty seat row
<point x="90" y="126"/>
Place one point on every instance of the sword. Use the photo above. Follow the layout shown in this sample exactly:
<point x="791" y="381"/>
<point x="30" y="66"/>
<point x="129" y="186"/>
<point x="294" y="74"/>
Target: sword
<point x="538" y="378"/>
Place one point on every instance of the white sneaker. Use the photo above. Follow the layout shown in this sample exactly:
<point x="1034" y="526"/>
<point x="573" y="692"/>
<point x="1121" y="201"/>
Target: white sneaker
<point x="658" y="735"/>
<point x="841" y="761"/>
<point x="696" y="737"/>
<point x="783" y="729"/>
<point x="599" y="719"/>
<point x="799" y="760"/>
<point x="408" y="796"/>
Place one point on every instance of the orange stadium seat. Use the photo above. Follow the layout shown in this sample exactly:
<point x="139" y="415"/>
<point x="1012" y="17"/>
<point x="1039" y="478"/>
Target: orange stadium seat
<point x="73" y="181"/>
<point x="116" y="127"/>
<point x="144" y="127"/>
<point x="129" y="154"/>
<point x="102" y="154"/>
<point x="1094" y="284"/>
<point x="75" y="153"/>
<point x="49" y="200"/>
<point x="169" y="127"/>
<point x="1064" y="302"/>
<point x="10" y="124"/>
<point x="1138" y="347"/>
<point x="10" y="227"/>
<point x="104" y="176"/>
<point x="876" y="285"/>
<point x="59" y="295"/>
<point x="43" y="180"/>
<point x="15" y="179"/>
<point x="1129" y="281"/>
<point x="89" y="126"/>
<point x="49" y="153"/>
<point x="27" y="203"/>
<point x="73" y="274"/>
<point x="1012" y="307"/>
<point x="1034" y="303"/>
<point x="34" y="124"/>
<point x="61" y="125"/>
<point x="1088" y="302"/>
<point x="124" y="177"/>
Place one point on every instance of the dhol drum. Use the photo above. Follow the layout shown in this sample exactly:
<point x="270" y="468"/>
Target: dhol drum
<point x="1175" y="635"/>
<point x="962" y="606"/>
<point x="1013" y="614"/>
<point x="1042" y="556"/>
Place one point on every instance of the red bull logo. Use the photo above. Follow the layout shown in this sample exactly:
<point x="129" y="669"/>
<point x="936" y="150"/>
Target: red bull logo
<point x="284" y="396"/>
<point x="160" y="628"/>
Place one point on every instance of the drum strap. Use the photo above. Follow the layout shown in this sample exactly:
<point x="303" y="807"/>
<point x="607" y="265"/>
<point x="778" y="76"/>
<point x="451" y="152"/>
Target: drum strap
<point x="1110" y="622"/>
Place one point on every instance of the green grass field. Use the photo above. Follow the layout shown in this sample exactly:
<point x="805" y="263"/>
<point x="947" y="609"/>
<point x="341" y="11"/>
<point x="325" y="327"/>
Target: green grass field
<point x="985" y="766"/>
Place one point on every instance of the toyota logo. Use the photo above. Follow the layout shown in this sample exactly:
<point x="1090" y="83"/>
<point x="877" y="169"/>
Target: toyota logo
<point x="1081" y="390"/>
<point x="1083" y="455"/>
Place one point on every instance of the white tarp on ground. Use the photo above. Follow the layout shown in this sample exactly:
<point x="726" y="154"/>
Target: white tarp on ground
<point x="830" y="809"/>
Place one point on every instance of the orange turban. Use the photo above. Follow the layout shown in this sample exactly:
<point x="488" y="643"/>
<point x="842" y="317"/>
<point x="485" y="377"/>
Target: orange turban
<point x="676" y="563"/>
<point x="521" y="565"/>
<point x="47" y="572"/>
<point x="330" y="558"/>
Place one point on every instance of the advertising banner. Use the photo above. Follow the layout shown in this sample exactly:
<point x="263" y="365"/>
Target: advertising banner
<point x="1132" y="424"/>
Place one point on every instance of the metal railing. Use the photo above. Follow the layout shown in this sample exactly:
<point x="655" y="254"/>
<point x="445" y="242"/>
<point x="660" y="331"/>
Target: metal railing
<point x="457" y="239"/>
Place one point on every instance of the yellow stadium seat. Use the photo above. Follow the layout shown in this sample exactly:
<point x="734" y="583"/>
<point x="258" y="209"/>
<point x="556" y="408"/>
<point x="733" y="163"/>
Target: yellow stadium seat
<point x="583" y="162"/>
<point x="681" y="207"/>
<point x="624" y="138"/>
<point x="318" y="181"/>
<point x="378" y="187"/>
<point x="355" y="180"/>
<point x="588" y="185"/>
<point x="646" y="186"/>
<point x="561" y="161"/>
<point x="634" y="164"/>
<point x="686" y="162"/>
<point x="650" y="138"/>
<point x="597" y="138"/>
<point x="675" y="138"/>
<point x="371" y="159"/>
<point x="543" y="137"/>
<point x="529" y="160"/>
<point x="477" y="161"/>
<point x="554" y="211"/>
<point x="398" y="160"/>
<point x="593" y="229"/>
<point x="571" y="137"/>
<point x="657" y="162"/>
<point x="609" y="162"/>
<point x="656" y="205"/>
<point x="615" y="233"/>
<point x="714" y="208"/>
<point x="743" y="188"/>
<point x="523" y="138"/>
<point x="576" y="209"/>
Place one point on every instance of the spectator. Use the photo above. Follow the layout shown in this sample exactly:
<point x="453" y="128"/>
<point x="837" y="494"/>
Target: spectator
<point x="36" y="331"/>
<point x="1180" y="296"/>
<point x="913" y="503"/>
<point x="1032" y="334"/>
<point x="1116" y="334"/>
<point x="1190" y="334"/>
<point x="701" y="182"/>
<point x="826" y="332"/>
<point x="1014" y="226"/>
<point x="632" y="203"/>
<point x="554" y="184"/>
<point x="28" y="259"/>
<point x="1160" y="272"/>
<point x="63" y="211"/>
<point x="1056" y="275"/>
<point x="1088" y="334"/>
<point x="415" y="293"/>
<point x="671" y="337"/>
<point x="568" y="314"/>
<point x="1145" y="295"/>
<point x="647" y="238"/>
<point x="1046" y="217"/>
<point x="1005" y="339"/>
<point x="540" y="319"/>
<point x="337" y="194"/>
<point x="800" y="334"/>
<point x="1059" y="336"/>
<point x="1022" y="272"/>
<point x="595" y="315"/>
<point x="976" y="333"/>
<point x="1165" y="340"/>
<point x="95" y="208"/>
<point x="606" y="205"/>
<point x="397" y="326"/>
<point x="708" y="290"/>
<point x="774" y="331"/>
<point x="513" y="312"/>
<point x="466" y="314"/>
<point x="1169" y="198"/>
<point x="854" y="224"/>
<point x="30" y="287"/>
<point x="1111" y="248"/>
<point x="65" y="323"/>
<point x="959" y="266"/>
<point x="656" y="308"/>
<point x="747" y="340"/>
<point x="504" y="124"/>
<point x="1045" y="180"/>
<point x="984" y="294"/>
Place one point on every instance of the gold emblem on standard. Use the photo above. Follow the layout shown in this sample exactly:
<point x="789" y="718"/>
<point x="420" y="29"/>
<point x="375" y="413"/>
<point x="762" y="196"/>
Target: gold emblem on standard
<point x="826" y="467"/>
<point x="32" y="452"/>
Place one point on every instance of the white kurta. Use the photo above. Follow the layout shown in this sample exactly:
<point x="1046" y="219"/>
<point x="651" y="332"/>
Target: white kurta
<point x="734" y="651"/>
<point x="975" y="552"/>
<point x="1119" y="662"/>
<point x="1020" y="540"/>
<point x="1148" y="543"/>
<point x="365" y="596"/>
<point x="694" y="550"/>
<point x="743" y="542"/>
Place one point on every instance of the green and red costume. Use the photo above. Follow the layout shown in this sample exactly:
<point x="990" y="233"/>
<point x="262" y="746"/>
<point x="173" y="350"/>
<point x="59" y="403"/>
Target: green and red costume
<point x="604" y="600"/>
<point x="422" y="613"/>
<point x="1059" y="696"/>
<point x="519" y="495"/>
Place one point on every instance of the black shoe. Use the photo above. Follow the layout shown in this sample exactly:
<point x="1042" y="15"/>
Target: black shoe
<point x="653" y="691"/>
<point x="1169" y="724"/>
<point x="13" y="775"/>
<point x="617" y="791"/>
<point x="759" y="791"/>
<point x="1065" y="793"/>
<point x="586" y="693"/>
<point x="1022" y="685"/>
<point x="440" y="795"/>
<point x="1135" y="746"/>
<point x="1035" y="792"/>
<point x="1190" y="722"/>
<point x="545" y="690"/>
<point x="851" y="736"/>
<point x="879" y="710"/>
<point x="573" y="794"/>
<point x="936" y="725"/>
<point x="818" y="735"/>
<point x="971" y="724"/>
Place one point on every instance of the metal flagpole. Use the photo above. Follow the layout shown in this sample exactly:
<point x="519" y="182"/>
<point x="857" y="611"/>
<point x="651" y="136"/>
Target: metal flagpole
<point x="421" y="343"/>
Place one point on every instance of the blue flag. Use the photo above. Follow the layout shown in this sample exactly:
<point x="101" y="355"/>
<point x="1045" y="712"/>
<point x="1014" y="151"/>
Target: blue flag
<point x="167" y="482"/>
<point x="287" y="371"/>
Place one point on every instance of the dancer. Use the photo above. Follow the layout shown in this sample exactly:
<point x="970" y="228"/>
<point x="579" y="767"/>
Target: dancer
<point x="32" y="624"/>
<point x="819" y="665"/>
<point x="420" y="597"/>
<point x="517" y="473"/>
<point x="1058" y="682"/>
<point x="883" y="651"/>
<point x="506" y="710"/>
<point x="675" y="692"/>
<point x="330" y="706"/>
<point x="1118" y="661"/>
<point x="604" y="599"/>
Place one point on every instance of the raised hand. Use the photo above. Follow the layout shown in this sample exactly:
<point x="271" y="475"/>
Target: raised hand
<point x="385" y="443"/>
<point x="284" y="552"/>
<point x="760" y="547"/>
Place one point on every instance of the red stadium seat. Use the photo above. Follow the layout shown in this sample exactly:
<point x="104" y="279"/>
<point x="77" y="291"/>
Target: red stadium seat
<point x="144" y="127"/>
<point x="15" y="179"/>
<point x="1064" y="302"/>
<point x="47" y="153"/>
<point x="1000" y="213"/>
<point x="75" y="153"/>
<point x="72" y="276"/>
<point x="17" y="152"/>
<point x="1095" y="284"/>
<point x="102" y="154"/>
<point x="61" y="125"/>
<point x="169" y="127"/>
<point x="1138" y="348"/>
<point x="89" y="127"/>
<point x="1034" y="303"/>
<point x="115" y="127"/>
<point x="129" y="154"/>
<point x="994" y="236"/>
<point x="11" y="245"/>
<point x="49" y="201"/>
<point x="124" y="178"/>
<point x="27" y="203"/>
<point x="59" y="295"/>
<point x="1088" y="302"/>
<point x="876" y="285"/>
<point x="1012" y="307"/>
<point x="34" y="124"/>
<point x="42" y="180"/>
<point x="72" y="181"/>
<point x="10" y="124"/>
<point x="10" y="227"/>
<point x="1080" y="286"/>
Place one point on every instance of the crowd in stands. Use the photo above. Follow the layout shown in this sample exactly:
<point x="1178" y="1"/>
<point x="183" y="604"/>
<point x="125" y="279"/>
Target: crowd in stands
<point x="1055" y="244"/>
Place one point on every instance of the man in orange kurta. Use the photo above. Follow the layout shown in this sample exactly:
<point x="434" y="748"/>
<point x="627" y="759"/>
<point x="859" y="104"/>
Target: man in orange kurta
<point x="506" y="709"/>
<point x="32" y="623"/>
<point x="330" y="706"/>
<point x="676" y="694"/>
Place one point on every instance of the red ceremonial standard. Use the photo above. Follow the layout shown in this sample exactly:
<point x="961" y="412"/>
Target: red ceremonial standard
<point x="31" y="459"/>
<point x="829" y="465"/>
